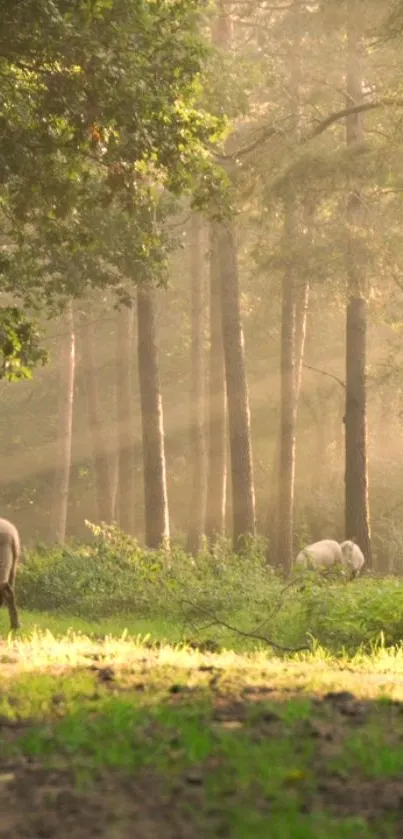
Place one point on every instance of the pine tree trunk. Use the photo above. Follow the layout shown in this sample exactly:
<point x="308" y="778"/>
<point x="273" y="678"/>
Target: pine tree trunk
<point x="65" y="428"/>
<point x="356" y="498"/>
<point x="100" y="455"/>
<point x="301" y="316"/>
<point x="357" y="521"/>
<point x="124" y="389"/>
<point x="217" y="461"/>
<point x="197" y="512"/>
<point x="293" y="327"/>
<point x="154" y="468"/>
<point x="114" y="472"/>
<point x="285" y="513"/>
<point x="243" y="495"/>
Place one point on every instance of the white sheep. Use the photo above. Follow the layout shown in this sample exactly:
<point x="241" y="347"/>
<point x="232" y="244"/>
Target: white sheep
<point x="325" y="554"/>
<point x="320" y="555"/>
<point x="353" y="557"/>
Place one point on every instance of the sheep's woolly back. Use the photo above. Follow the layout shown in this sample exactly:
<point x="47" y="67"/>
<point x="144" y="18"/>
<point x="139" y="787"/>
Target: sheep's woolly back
<point x="321" y="554"/>
<point x="9" y="548"/>
<point x="353" y="556"/>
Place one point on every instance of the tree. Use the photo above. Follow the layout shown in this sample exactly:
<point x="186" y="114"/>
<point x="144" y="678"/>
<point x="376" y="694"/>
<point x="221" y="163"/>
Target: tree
<point x="242" y="485"/>
<point x="287" y="399"/>
<point x="217" y="399"/>
<point x="197" y="512"/>
<point x="290" y="365"/>
<point x="243" y="494"/>
<point x="152" y="422"/>
<point x="357" y="526"/>
<point x="97" y="116"/>
<point x="61" y="481"/>
<point x="124" y="394"/>
<point x="100" y="455"/>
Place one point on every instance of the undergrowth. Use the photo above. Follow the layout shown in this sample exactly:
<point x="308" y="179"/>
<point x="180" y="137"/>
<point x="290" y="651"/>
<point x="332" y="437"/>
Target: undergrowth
<point x="213" y="595"/>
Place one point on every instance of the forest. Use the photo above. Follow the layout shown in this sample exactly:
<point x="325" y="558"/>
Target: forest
<point x="222" y="335"/>
<point x="200" y="375"/>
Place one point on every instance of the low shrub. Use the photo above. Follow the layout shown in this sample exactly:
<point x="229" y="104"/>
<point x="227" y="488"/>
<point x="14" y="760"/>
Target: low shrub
<point x="114" y="576"/>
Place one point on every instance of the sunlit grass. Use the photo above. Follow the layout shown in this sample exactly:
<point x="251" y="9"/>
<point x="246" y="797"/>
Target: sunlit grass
<point x="366" y="674"/>
<point x="60" y="624"/>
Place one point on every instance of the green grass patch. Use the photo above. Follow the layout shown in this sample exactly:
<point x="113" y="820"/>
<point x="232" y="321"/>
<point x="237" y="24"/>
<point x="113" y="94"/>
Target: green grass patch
<point x="157" y="629"/>
<point x="373" y="752"/>
<point x="237" y="745"/>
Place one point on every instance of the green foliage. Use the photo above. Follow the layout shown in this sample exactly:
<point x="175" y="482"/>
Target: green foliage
<point x="210" y="594"/>
<point x="20" y="348"/>
<point x="79" y="87"/>
<point x="97" y="581"/>
<point x="101" y="130"/>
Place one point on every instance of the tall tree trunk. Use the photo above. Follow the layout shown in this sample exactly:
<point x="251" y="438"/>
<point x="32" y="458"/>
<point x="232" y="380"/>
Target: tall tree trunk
<point x="155" y="484"/>
<point x="100" y="455"/>
<point x="124" y="389"/>
<point x="197" y="512"/>
<point x="290" y="366"/>
<point x="301" y="316"/>
<point x="357" y="521"/>
<point x="114" y="472"/>
<point x="285" y="513"/>
<point x="217" y="462"/>
<point x="65" y="428"/>
<point x="243" y="494"/>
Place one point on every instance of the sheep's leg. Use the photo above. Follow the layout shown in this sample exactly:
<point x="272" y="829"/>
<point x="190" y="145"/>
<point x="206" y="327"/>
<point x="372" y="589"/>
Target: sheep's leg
<point x="11" y="576"/>
<point x="8" y="595"/>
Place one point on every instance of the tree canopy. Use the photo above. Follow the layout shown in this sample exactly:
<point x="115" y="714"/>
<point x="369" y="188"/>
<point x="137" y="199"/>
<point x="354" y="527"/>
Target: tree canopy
<point x="99" y="123"/>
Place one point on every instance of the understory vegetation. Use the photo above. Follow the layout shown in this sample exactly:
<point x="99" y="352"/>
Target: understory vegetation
<point x="216" y="598"/>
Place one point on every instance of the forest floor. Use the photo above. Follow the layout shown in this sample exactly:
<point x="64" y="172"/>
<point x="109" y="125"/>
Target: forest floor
<point x="118" y="739"/>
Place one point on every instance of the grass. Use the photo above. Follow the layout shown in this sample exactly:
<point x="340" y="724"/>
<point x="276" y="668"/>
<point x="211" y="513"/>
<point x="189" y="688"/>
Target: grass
<point x="60" y="624"/>
<point x="196" y="744"/>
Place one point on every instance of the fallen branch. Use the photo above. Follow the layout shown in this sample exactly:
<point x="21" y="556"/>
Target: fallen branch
<point x="219" y="622"/>
<point x="294" y="581"/>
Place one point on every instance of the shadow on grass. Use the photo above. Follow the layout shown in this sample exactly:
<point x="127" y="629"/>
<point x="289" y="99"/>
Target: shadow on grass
<point x="189" y="753"/>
